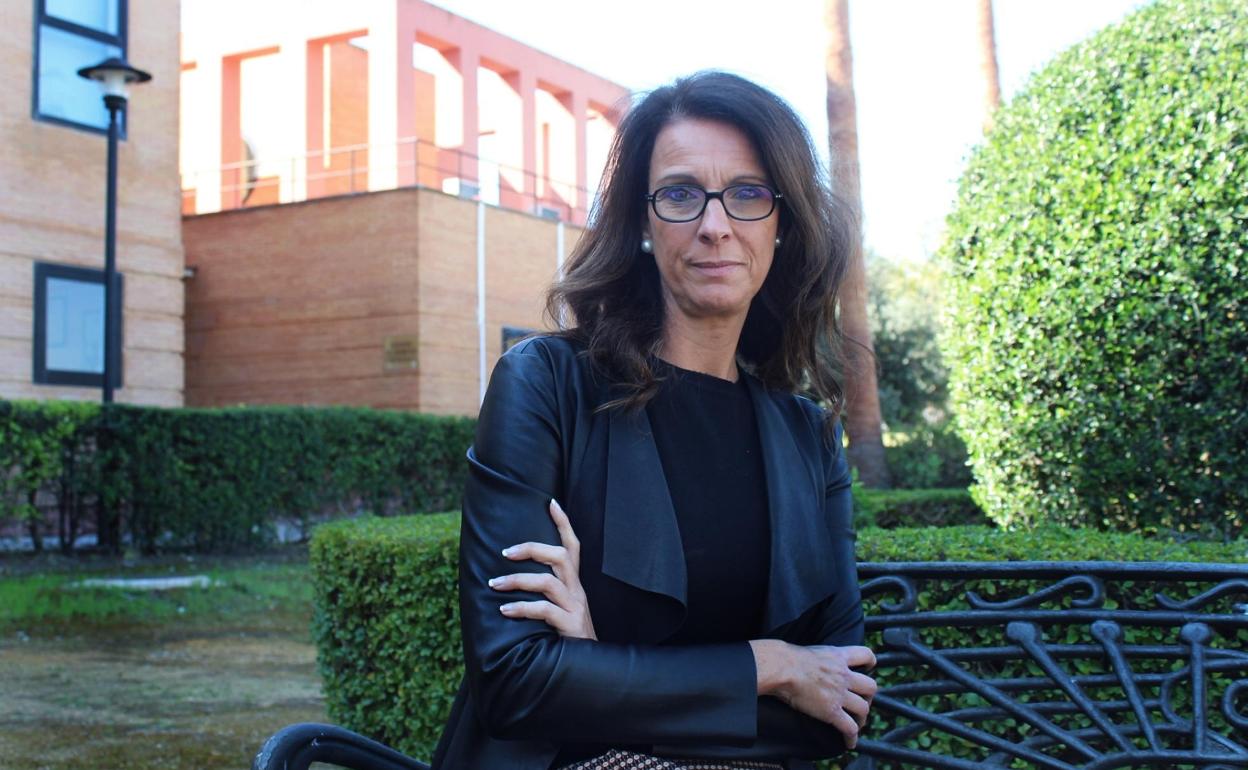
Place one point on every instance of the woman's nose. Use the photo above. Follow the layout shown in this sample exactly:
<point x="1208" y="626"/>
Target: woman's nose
<point x="714" y="225"/>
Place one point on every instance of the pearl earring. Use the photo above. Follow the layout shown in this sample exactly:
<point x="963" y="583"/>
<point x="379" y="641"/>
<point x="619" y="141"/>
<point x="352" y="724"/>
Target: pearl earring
<point x="647" y="245"/>
<point x="778" y="240"/>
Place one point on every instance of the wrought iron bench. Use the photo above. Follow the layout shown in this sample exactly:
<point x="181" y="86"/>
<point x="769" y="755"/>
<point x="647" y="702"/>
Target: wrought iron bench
<point x="1053" y="665"/>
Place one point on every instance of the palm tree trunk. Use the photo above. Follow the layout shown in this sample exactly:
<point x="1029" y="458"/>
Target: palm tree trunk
<point x="862" y="398"/>
<point x="988" y="62"/>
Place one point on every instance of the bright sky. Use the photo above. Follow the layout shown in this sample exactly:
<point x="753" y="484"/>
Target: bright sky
<point x="916" y="74"/>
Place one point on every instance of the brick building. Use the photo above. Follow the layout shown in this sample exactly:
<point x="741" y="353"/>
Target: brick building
<point x="373" y="197"/>
<point x="399" y="299"/>
<point x="53" y="150"/>
<point x="377" y="194"/>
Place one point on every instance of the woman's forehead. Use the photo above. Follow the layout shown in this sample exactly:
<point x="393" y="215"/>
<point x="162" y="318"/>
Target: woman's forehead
<point x="693" y="149"/>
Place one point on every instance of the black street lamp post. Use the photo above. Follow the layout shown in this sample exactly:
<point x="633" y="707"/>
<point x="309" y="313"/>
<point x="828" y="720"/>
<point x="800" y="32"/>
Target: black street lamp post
<point x="114" y="76"/>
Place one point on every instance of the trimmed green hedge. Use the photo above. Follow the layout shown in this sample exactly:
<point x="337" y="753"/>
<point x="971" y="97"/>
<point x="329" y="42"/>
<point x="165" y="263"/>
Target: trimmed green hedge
<point x="220" y="479"/>
<point x="1097" y="335"/>
<point x="386" y="623"/>
<point x="48" y="446"/>
<point x="890" y="508"/>
<point x="387" y="617"/>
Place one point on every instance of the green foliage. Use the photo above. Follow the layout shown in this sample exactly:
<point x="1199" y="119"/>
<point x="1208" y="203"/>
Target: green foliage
<point x="921" y="448"/>
<point x="890" y="508"/>
<point x="1098" y="330"/>
<point x="927" y="456"/>
<point x="387" y="625"/>
<point x="387" y="616"/>
<point x="46" y="446"/>
<point x="1044" y="543"/>
<point x="904" y="301"/>
<point x="220" y="479"/>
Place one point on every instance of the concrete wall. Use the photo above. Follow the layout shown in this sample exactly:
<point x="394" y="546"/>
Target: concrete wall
<point x="52" y="181"/>
<point x="292" y="304"/>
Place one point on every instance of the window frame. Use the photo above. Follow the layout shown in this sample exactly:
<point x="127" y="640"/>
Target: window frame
<point x="41" y="374"/>
<point x="121" y="40"/>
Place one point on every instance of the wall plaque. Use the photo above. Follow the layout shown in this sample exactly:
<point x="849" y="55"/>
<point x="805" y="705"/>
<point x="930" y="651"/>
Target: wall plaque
<point x="400" y="352"/>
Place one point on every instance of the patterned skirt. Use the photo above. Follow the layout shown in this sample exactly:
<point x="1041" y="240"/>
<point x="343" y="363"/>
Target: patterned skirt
<point x="628" y="760"/>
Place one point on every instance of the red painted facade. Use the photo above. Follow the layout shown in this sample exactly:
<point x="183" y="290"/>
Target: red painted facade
<point x="380" y="116"/>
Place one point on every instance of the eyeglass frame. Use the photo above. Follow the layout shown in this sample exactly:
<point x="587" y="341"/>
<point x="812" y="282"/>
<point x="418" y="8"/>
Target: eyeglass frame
<point x="652" y="199"/>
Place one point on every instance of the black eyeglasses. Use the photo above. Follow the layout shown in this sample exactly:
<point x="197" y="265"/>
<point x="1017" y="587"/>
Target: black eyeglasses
<point x="686" y="202"/>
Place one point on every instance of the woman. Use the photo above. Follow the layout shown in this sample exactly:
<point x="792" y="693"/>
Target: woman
<point x="698" y="599"/>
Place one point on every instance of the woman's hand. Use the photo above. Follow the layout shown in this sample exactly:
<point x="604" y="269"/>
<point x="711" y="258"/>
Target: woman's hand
<point x="565" y="609"/>
<point x="819" y="681"/>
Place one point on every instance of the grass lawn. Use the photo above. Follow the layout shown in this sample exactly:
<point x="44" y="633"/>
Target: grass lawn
<point x="181" y="678"/>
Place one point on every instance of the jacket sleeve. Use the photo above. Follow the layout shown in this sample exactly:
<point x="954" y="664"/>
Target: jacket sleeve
<point x="528" y="682"/>
<point x="837" y="621"/>
<point x="784" y="732"/>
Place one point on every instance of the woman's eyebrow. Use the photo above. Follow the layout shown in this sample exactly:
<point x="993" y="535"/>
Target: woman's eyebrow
<point x="677" y="178"/>
<point x="750" y="179"/>
<point x="686" y="178"/>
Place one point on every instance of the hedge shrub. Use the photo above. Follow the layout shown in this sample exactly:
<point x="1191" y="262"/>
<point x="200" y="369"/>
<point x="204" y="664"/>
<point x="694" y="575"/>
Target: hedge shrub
<point x="48" y="446"/>
<point x="387" y="622"/>
<point x="222" y="479"/>
<point x="1097" y="256"/>
<point x="891" y="508"/>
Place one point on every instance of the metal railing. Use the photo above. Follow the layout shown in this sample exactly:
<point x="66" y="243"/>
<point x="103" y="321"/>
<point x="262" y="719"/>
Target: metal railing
<point x="409" y="162"/>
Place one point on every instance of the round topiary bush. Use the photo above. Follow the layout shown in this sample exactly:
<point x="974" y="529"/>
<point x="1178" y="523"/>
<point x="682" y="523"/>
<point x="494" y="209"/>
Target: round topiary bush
<point x="1098" y="283"/>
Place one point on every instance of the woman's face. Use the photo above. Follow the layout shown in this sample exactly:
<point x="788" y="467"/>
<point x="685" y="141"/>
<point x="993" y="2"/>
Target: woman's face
<point x="714" y="265"/>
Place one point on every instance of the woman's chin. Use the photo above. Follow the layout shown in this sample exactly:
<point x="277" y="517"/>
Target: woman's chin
<point x="716" y="307"/>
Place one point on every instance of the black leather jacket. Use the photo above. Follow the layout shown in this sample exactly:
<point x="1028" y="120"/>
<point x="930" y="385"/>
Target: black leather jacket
<point x="527" y="689"/>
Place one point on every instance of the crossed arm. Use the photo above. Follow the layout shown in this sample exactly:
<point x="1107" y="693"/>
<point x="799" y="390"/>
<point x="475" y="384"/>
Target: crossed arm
<point x="817" y="680"/>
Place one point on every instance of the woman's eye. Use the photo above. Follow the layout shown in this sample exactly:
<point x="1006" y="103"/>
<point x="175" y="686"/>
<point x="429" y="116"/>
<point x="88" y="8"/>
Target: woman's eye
<point x="679" y="194"/>
<point x="749" y="192"/>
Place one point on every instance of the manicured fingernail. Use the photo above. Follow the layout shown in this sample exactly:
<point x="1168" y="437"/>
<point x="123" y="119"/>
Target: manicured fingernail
<point x="507" y="608"/>
<point x="494" y="581"/>
<point x="509" y="550"/>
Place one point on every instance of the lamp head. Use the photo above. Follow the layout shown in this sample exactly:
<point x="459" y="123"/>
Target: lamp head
<point x="114" y="76"/>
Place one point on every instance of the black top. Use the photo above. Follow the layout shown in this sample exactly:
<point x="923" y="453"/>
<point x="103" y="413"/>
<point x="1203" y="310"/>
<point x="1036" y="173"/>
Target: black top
<point x="707" y="438"/>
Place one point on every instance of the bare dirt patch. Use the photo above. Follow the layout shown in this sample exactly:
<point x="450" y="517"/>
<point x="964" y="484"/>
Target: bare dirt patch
<point x="200" y="696"/>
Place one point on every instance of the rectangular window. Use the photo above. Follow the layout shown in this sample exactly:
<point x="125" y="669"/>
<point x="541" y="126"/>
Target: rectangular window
<point x="512" y="335"/>
<point x="69" y="326"/>
<point x="70" y="35"/>
<point x="99" y="15"/>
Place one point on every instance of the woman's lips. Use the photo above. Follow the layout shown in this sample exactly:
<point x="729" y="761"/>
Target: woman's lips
<point x="716" y="268"/>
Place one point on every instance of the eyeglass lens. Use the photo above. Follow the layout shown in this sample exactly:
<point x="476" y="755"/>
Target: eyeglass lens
<point x="683" y="203"/>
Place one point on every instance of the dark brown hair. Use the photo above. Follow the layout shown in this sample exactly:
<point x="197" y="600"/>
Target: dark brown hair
<point x="790" y="340"/>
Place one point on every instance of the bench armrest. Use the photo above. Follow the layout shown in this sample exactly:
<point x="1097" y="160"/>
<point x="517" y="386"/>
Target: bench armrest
<point x="298" y="746"/>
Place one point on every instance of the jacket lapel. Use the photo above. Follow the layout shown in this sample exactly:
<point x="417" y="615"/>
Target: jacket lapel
<point x="802" y="572"/>
<point x="641" y="539"/>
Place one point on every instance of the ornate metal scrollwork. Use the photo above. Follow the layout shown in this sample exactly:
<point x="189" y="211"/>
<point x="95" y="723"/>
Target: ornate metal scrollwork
<point x="1095" y="590"/>
<point x="908" y="601"/>
<point x="1226" y="587"/>
<point x="1094" y="666"/>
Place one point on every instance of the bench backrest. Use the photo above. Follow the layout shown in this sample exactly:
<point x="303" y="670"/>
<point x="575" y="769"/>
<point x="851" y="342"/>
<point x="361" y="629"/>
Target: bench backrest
<point x="1058" y="665"/>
